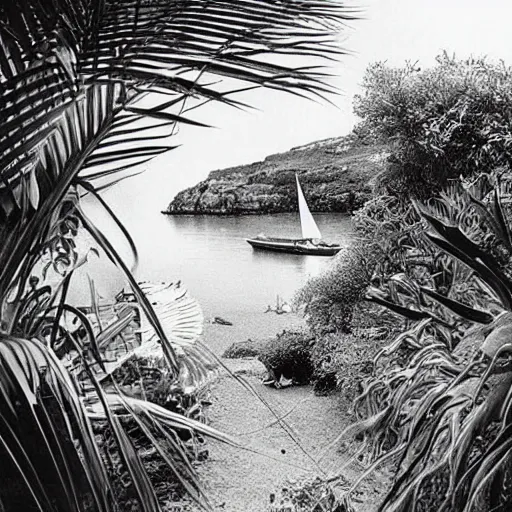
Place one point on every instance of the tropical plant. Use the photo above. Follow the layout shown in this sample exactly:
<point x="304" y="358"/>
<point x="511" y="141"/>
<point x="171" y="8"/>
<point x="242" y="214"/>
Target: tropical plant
<point x="438" y="403"/>
<point x="89" y="91"/>
<point x="392" y="232"/>
<point x="343" y="361"/>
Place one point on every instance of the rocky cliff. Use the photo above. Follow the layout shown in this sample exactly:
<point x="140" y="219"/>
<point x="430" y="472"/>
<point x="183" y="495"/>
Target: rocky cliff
<point x="335" y="175"/>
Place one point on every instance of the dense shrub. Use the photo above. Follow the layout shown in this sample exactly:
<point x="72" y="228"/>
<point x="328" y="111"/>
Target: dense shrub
<point x="392" y="231"/>
<point x="347" y="330"/>
<point x="449" y="120"/>
<point x="241" y="349"/>
<point x="289" y="355"/>
<point x="147" y="377"/>
<point x="342" y="360"/>
<point x="330" y="298"/>
<point x="308" y="495"/>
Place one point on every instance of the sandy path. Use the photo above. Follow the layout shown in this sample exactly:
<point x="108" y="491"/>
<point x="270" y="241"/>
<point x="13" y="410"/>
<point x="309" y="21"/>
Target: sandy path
<point x="239" y="480"/>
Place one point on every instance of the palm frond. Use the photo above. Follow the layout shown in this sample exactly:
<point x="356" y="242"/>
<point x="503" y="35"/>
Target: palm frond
<point x="90" y="91"/>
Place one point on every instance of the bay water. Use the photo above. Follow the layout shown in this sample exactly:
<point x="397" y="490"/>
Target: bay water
<point x="211" y="258"/>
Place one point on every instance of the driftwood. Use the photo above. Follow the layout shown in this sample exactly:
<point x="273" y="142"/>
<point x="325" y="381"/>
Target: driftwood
<point x="221" y="321"/>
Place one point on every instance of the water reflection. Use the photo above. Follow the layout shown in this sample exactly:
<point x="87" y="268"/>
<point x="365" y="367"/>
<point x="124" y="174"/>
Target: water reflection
<point x="307" y="266"/>
<point x="213" y="260"/>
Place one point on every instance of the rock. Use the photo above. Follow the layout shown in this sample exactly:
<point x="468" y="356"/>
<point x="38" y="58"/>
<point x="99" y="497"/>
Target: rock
<point x="286" y="308"/>
<point x="335" y="175"/>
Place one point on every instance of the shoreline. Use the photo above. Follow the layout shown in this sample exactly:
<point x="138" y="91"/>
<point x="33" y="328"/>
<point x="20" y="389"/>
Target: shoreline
<point x="241" y="480"/>
<point x="250" y="213"/>
<point x="256" y="326"/>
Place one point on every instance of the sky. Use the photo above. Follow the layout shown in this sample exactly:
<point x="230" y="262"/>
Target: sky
<point x="391" y="30"/>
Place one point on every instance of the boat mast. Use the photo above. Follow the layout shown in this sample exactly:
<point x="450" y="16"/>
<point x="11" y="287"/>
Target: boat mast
<point x="307" y="222"/>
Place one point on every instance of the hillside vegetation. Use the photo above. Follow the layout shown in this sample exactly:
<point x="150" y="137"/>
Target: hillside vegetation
<point x="335" y="174"/>
<point x="434" y="248"/>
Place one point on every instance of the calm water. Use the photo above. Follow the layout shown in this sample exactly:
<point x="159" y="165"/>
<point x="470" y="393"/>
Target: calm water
<point x="212" y="258"/>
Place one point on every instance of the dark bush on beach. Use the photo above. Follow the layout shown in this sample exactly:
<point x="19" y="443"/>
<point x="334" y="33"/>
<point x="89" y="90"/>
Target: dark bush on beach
<point x="289" y="355"/>
<point x="241" y="349"/>
<point x="342" y="323"/>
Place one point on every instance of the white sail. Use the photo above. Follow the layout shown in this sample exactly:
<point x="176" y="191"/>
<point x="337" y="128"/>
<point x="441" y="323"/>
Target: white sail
<point x="307" y="222"/>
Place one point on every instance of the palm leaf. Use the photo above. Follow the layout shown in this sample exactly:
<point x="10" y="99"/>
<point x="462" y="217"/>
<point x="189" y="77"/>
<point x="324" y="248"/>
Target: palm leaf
<point x="89" y="91"/>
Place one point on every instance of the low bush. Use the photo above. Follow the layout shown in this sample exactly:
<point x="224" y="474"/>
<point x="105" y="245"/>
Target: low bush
<point x="148" y="378"/>
<point x="308" y="495"/>
<point x="241" y="349"/>
<point x="342" y="361"/>
<point x="347" y="331"/>
<point x="289" y="355"/>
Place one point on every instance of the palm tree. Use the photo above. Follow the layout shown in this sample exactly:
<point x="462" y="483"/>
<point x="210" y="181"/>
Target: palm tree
<point x="89" y="91"/>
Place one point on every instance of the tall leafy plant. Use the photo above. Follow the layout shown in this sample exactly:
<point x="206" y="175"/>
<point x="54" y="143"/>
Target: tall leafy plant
<point x="89" y="91"/>
<point x="438" y="404"/>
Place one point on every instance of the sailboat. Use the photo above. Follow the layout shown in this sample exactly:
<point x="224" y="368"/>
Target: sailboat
<point x="311" y="241"/>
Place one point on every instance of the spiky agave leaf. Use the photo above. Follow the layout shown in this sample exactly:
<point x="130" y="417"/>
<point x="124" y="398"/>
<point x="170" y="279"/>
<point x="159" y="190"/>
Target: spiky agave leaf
<point x="451" y="239"/>
<point x="446" y="407"/>
<point x="460" y="309"/>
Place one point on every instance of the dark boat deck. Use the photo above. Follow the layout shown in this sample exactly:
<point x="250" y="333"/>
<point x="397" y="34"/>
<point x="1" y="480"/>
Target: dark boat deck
<point x="294" y="246"/>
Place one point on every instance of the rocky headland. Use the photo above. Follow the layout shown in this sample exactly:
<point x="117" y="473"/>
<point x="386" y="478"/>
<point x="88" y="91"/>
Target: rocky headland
<point x="336" y="176"/>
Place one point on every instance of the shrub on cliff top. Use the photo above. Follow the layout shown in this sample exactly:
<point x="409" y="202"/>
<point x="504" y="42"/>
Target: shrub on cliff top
<point x="449" y="120"/>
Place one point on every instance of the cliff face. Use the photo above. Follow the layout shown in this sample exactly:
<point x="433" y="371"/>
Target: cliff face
<point x="335" y="175"/>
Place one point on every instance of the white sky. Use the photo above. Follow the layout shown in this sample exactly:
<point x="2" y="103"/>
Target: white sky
<point x="394" y="30"/>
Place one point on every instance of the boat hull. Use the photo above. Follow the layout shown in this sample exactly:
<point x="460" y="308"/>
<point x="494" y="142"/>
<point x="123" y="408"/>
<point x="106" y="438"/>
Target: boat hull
<point x="293" y="246"/>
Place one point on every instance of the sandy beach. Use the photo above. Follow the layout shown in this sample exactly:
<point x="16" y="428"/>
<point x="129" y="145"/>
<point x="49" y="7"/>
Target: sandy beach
<point x="239" y="480"/>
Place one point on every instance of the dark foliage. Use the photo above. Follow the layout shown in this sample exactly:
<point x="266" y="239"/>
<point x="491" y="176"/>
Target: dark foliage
<point x="289" y="355"/>
<point x="451" y="120"/>
<point x="330" y="299"/>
